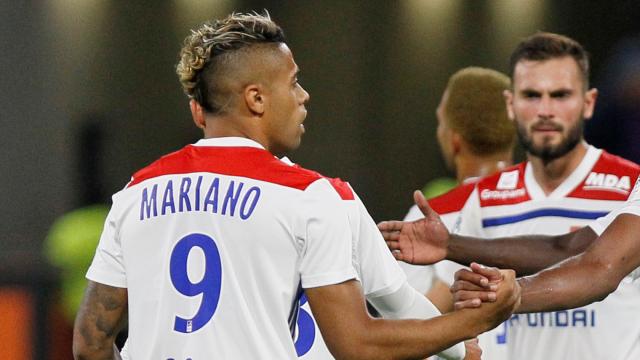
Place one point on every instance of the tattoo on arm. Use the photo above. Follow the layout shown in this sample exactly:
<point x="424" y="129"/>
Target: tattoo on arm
<point x="102" y="314"/>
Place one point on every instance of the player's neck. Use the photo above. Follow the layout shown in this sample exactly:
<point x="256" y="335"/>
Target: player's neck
<point x="470" y="166"/>
<point x="550" y="174"/>
<point x="221" y="126"/>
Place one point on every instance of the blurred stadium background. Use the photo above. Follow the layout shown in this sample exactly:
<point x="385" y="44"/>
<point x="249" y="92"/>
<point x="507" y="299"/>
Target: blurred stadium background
<point x="89" y="95"/>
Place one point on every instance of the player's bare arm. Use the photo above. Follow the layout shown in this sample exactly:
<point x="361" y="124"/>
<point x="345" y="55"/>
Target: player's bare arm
<point x="351" y="333"/>
<point x="102" y="314"/>
<point x="426" y="241"/>
<point x="590" y="276"/>
<point x="440" y="296"/>
<point x="526" y="254"/>
<point x="575" y="282"/>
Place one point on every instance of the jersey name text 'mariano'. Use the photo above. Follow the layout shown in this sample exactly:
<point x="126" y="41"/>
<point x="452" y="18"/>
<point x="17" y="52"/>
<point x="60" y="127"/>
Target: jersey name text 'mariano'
<point x="217" y="196"/>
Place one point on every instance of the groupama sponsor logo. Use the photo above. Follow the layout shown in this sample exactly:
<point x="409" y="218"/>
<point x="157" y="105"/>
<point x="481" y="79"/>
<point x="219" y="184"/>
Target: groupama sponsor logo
<point x="487" y="194"/>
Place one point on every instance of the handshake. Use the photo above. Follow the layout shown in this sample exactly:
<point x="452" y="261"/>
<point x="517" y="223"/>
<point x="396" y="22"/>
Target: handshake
<point x="489" y="295"/>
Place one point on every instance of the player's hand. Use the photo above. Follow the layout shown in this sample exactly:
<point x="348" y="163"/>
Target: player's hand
<point x="419" y="242"/>
<point x="472" y="350"/>
<point x="492" y="314"/>
<point x="475" y="286"/>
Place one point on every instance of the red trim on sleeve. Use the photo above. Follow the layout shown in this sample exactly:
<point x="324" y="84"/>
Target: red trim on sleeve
<point x="453" y="200"/>
<point x="342" y="187"/>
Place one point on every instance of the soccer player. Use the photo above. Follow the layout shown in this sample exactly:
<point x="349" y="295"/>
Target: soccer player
<point x="206" y="251"/>
<point x="564" y="185"/>
<point x="471" y="103"/>
<point x="473" y="99"/>
<point x="476" y="138"/>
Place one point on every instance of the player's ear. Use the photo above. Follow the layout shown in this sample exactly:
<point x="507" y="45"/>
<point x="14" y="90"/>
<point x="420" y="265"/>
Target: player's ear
<point x="197" y="114"/>
<point x="589" y="103"/>
<point x="255" y="98"/>
<point x="456" y="142"/>
<point x="508" y="99"/>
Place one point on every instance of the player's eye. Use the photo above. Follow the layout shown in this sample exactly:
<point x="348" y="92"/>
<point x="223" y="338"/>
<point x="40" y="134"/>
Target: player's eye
<point x="561" y="94"/>
<point x="530" y="94"/>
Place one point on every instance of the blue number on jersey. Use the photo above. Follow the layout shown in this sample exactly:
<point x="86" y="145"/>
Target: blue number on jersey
<point x="306" y="329"/>
<point x="209" y="286"/>
<point x="501" y="338"/>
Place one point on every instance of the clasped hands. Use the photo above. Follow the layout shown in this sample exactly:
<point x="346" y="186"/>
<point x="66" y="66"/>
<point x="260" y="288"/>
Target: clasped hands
<point x="425" y="241"/>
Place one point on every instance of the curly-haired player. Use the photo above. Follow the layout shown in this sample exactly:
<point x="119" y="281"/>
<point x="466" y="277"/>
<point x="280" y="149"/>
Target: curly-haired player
<point x="211" y="247"/>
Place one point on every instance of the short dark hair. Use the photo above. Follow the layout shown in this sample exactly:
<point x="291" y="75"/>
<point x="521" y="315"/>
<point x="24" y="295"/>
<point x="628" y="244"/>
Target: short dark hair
<point x="208" y="52"/>
<point x="544" y="46"/>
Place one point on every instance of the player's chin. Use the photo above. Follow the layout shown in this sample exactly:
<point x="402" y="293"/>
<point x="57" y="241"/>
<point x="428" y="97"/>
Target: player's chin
<point x="547" y="143"/>
<point x="294" y="142"/>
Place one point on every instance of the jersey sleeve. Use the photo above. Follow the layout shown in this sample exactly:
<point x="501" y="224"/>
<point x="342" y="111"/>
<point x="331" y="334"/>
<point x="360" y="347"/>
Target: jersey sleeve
<point x="413" y="214"/>
<point x="378" y="269"/>
<point x="632" y="206"/>
<point x="469" y="222"/>
<point x="107" y="266"/>
<point x="326" y="254"/>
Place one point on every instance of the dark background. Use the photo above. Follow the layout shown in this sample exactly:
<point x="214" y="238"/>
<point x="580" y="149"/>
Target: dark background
<point x="89" y="95"/>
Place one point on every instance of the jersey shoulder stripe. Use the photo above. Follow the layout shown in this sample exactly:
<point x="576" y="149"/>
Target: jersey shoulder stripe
<point x="611" y="178"/>
<point x="340" y="186"/>
<point x="453" y="200"/>
<point x="506" y="187"/>
<point x="249" y="162"/>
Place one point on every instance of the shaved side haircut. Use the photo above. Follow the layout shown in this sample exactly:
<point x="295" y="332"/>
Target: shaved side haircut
<point x="224" y="47"/>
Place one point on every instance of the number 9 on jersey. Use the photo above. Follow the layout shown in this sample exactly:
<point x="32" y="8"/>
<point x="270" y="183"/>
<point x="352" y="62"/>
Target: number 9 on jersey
<point x="209" y="286"/>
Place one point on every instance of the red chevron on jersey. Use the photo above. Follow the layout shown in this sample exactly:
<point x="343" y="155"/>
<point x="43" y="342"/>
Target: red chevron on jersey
<point x="453" y="200"/>
<point x="506" y="187"/>
<point x="249" y="162"/>
<point x="611" y="178"/>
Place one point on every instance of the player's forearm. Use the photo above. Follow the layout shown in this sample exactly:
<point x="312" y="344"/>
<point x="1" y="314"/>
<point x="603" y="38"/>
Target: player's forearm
<point x="350" y="333"/>
<point x="105" y="352"/>
<point x="91" y="344"/>
<point x="408" y="303"/>
<point x="412" y="339"/>
<point x="525" y="254"/>
<point x="590" y="276"/>
<point x="101" y="316"/>
<point x="571" y="284"/>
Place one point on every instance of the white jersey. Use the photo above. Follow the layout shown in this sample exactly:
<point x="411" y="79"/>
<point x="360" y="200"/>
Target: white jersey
<point x="448" y="206"/>
<point x="377" y="270"/>
<point x="512" y="203"/>
<point x="379" y="274"/>
<point x="215" y="243"/>
<point x="632" y="206"/>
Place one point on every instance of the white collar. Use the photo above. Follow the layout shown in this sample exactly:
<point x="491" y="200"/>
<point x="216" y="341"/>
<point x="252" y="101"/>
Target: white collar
<point x="569" y="184"/>
<point x="229" y="142"/>
<point x="236" y="142"/>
